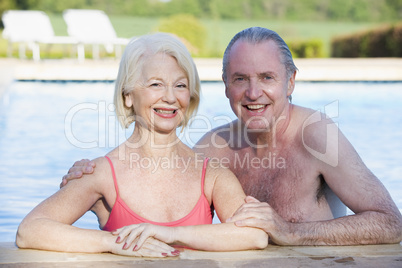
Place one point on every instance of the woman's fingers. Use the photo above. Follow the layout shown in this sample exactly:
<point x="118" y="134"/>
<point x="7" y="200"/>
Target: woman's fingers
<point x="143" y="234"/>
<point x="152" y="243"/>
<point x="145" y="252"/>
<point x="150" y="248"/>
<point x="137" y="233"/>
<point x="137" y="236"/>
<point x="128" y="234"/>
<point x="159" y="247"/>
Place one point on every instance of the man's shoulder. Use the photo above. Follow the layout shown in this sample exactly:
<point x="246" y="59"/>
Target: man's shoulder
<point x="301" y="113"/>
<point x="315" y="129"/>
<point x="217" y="139"/>
<point x="305" y="119"/>
<point x="221" y="133"/>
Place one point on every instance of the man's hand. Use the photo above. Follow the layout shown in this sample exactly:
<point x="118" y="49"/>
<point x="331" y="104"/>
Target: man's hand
<point x="79" y="168"/>
<point x="261" y="215"/>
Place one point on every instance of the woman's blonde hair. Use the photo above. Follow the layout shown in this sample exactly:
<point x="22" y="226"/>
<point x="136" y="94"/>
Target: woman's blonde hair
<point x="135" y="53"/>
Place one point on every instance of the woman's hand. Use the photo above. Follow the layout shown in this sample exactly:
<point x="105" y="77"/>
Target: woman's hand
<point x="135" y="236"/>
<point x="150" y="248"/>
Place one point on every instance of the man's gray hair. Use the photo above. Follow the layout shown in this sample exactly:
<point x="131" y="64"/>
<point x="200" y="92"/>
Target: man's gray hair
<point x="255" y="35"/>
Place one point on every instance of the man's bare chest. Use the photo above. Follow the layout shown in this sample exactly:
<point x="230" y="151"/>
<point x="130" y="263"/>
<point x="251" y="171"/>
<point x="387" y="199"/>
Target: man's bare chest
<point x="269" y="184"/>
<point x="288" y="185"/>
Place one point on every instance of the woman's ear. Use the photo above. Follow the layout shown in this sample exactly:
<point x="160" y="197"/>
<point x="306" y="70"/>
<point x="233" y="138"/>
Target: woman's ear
<point x="128" y="100"/>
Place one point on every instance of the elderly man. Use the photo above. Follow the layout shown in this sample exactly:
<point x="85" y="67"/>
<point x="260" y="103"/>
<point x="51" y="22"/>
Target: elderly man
<point x="306" y="152"/>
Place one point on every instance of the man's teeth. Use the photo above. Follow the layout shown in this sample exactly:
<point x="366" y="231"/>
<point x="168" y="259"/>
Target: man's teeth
<point x="255" y="106"/>
<point x="165" y="111"/>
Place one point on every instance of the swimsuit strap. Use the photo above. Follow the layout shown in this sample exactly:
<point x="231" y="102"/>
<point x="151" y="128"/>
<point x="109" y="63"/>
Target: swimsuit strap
<point x="114" y="175"/>
<point x="204" y="168"/>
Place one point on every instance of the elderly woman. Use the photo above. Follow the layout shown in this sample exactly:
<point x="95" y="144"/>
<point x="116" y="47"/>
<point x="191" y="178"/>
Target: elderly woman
<point x="149" y="208"/>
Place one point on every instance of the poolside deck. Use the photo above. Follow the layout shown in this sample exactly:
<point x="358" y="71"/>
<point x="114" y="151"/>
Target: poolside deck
<point x="274" y="256"/>
<point x="361" y="69"/>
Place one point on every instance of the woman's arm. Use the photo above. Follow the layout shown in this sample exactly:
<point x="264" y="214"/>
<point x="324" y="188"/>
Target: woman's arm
<point x="209" y="237"/>
<point x="227" y="196"/>
<point x="48" y="226"/>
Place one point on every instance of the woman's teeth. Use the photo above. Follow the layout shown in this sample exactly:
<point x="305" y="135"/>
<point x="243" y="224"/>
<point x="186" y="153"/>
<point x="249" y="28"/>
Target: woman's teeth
<point x="165" y="111"/>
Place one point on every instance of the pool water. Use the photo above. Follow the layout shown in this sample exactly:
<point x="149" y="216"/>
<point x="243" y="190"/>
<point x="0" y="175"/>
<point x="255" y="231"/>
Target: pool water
<point x="46" y="126"/>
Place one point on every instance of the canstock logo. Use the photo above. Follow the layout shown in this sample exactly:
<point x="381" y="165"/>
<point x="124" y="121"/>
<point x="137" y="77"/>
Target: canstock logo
<point x="330" y="156"/>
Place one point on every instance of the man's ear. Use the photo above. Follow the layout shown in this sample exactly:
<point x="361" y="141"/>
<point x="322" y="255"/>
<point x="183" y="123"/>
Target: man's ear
<point x="291" y="84"/>
<point x="226" y="87"/>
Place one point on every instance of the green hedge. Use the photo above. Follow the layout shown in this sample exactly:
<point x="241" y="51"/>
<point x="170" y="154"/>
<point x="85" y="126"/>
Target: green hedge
<point x="189" y="29"/>
<point x="381" y="42"/>
<point x="194" y="35"/>
<point x="306" y="49"/>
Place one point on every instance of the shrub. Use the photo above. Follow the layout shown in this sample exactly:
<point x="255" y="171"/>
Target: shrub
<point x="189" y="29"/>
<point x="381" y="42"/>
<point x="306" y="49"/>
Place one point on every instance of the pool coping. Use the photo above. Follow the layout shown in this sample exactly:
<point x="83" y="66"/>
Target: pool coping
<point x="210" y="69"/>
<point x="272" y="256"/>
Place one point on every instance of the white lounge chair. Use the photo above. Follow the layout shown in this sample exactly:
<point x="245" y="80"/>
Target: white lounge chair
<point x="30" y="28"/>
<point x="93" y="27"/>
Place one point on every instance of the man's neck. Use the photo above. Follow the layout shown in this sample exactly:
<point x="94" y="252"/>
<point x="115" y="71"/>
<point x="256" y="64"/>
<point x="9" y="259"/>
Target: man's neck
<point x="271" y="137"/>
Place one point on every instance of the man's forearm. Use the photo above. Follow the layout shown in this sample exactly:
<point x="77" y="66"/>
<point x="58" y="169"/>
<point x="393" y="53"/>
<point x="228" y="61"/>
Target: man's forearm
<point x="365" y="228"/>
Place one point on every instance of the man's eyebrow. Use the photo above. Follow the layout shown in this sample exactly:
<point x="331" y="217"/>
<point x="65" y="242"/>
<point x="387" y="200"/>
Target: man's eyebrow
<point x="239" y="74"/>
<point x="267" y="73"/>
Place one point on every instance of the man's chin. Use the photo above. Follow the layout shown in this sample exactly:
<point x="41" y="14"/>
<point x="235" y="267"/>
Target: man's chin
<point x="257" y="126"/>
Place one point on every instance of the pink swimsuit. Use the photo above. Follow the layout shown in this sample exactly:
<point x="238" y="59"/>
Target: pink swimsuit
<point x="121" y="215"/>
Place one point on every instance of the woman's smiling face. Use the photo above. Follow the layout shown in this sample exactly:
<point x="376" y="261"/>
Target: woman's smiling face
<point x="161" y="96"/>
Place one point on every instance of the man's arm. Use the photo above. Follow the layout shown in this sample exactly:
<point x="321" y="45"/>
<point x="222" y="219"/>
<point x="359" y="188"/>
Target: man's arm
<point x="377" y="220"/>
<point x="84" y="166"/>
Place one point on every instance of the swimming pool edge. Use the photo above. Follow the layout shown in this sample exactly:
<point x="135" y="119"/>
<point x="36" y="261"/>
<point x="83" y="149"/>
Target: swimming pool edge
<point x="209" y="69"/>
<point x="280" y="256"/>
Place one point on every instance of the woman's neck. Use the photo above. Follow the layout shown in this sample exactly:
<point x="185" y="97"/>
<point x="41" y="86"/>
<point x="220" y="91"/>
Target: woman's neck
<point x="151" y="143"/>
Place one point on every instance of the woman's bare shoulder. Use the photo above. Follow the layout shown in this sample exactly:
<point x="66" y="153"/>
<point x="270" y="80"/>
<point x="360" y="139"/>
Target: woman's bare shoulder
<point x="101" y="175"/>
<point x="217" y="171"/>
